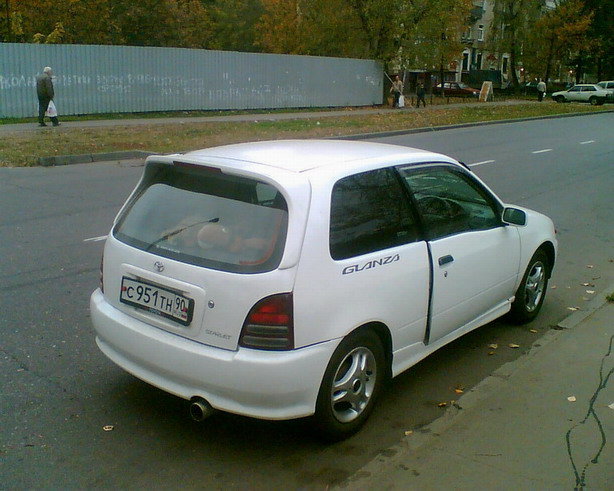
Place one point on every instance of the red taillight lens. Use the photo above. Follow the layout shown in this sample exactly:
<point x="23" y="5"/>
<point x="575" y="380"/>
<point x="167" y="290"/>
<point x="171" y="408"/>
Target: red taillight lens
<point x="269" y="324"/>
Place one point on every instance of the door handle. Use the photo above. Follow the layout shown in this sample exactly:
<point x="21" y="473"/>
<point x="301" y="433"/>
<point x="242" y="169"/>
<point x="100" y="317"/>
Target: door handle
<point x="445" y="259"/>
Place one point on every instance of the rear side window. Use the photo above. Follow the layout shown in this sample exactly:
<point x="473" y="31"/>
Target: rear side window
<point x="369" y="212"/>
<point x="203" y="217"/>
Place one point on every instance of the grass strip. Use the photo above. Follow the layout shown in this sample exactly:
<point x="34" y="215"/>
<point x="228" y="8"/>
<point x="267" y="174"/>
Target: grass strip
<point x="24" y="148"/>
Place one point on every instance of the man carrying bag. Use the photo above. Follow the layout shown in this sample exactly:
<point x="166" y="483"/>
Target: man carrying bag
<point x="44" y="91"/>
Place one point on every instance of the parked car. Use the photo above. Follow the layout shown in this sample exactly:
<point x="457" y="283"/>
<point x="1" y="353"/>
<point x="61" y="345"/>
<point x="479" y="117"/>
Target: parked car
<point x="590" y="93"/>
<point x="289" y="279"/>
<point x="457" y="89"/>
<point x="608" y="85"/>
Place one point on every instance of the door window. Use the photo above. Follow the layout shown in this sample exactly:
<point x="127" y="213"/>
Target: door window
<point x="370" y="212"/>
<point x="450" y="202"/>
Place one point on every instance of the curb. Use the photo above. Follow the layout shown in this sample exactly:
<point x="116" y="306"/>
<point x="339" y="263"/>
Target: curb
<point x="94" y="157"/>
<point x="391" y="458"/>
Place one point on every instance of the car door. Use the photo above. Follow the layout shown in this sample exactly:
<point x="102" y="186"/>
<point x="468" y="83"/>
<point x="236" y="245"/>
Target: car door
<point x="474" y="256"/>
<point x="574" y="94"/>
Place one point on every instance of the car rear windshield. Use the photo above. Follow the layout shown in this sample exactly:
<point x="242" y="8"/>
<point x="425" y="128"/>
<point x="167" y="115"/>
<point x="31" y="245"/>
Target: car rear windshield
<point x="200" y="216"/>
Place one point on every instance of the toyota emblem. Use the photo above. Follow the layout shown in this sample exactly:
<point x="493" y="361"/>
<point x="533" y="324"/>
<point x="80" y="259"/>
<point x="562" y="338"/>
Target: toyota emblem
<point x="158" y="266"/>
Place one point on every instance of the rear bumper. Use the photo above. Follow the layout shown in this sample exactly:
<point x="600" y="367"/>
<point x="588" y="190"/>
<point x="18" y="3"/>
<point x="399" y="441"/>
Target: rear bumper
<point x="260" y="384"/>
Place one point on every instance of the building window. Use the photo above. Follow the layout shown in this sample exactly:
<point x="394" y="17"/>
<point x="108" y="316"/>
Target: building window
<point x="504" y="67"/>
<point x="481" y="32"/>
<point x="478" y="62"/>
<point x="465" y="61"/>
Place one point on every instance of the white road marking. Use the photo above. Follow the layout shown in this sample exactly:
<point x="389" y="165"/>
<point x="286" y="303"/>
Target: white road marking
<point x="482" y="163"/>
<point x="95" y="239"/>
<point x="543" y="151"/>
<point x="587" y="142"/>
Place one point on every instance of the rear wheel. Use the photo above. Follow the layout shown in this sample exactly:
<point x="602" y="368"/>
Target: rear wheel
<point x="594" y="101"/>
<point x="532" y="290"/>
<point x="351" y="385"/>
<point x="559" y="98"/>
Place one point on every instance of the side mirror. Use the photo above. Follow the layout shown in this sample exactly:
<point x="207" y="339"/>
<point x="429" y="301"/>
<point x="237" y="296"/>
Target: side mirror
<point x="514" y="216"/>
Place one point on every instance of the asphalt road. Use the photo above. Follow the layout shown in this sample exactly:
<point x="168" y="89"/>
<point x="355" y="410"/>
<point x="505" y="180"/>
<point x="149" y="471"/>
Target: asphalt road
<point x="58" y="393"/>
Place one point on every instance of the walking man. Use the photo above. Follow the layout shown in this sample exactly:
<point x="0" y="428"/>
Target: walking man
<point x="541" y="90"/>
<point x="44" y="90"/>
<point x="396" y="90"/>
<point x="420" y="93"/>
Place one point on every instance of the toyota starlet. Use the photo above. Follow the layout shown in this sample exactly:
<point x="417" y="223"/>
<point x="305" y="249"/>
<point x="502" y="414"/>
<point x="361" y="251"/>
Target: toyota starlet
<point x="292" y="279"/>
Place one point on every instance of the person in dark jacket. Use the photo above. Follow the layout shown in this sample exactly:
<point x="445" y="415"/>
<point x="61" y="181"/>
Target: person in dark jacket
<point x="44" y="90"/>
<point x="420" y="93"/>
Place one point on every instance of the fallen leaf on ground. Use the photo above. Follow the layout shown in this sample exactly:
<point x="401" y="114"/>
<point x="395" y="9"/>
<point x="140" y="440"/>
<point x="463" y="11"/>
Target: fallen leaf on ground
<point x="459" y="391"/>
<point x="571" y="398"/>
<point x="493" y="346"/>
<point x="490" y="353"/>
<point x="442" y="404"/>
<point x="108" y="428"/>
<point x="590" y="292"/>
<point x="611" y="406"/>
<point x="590" y="266"/>
<point x="553" y="287"/>
<point x="573" y="309"/>
<point x="408" y="432"/>
<point x="533" y="331"/>
<point x="513" y="345"/>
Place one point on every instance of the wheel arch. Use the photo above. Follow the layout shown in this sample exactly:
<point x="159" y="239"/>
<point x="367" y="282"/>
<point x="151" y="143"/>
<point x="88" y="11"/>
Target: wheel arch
<point x="382" y="331"/>
<point x="548" y="248"/>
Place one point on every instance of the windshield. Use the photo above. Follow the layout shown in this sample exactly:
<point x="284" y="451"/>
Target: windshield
<point x="200" y="216"/>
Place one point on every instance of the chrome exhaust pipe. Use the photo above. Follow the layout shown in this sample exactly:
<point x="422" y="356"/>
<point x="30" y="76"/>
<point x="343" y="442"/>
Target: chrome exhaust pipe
<point x="200" y="409"/>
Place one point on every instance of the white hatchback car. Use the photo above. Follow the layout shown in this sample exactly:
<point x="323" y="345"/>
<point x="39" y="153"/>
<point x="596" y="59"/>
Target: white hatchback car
<point x="288" y="279"/>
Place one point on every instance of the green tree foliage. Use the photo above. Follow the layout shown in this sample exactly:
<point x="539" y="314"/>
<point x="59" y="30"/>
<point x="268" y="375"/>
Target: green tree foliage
<point x="513" y="21"/>
<point x="555" y="37"/>
<point x="602" y="33"/>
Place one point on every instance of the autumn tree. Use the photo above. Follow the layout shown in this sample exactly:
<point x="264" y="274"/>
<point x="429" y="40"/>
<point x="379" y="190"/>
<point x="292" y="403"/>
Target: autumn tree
<point x="513" y="20"/>
<point x="233" y="24"/>
<point x="557" y="34"/>
<point x="310" y="27"/>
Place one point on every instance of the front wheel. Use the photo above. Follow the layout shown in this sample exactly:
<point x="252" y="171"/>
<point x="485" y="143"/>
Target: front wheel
<point x="594" y="101"/>
<point x="351" y="385"/>
<point x="559" y="98"/>
<point x="532" y="290"/>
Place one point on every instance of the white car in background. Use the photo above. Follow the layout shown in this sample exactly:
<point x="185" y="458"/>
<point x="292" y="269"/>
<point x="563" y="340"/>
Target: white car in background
<point x="289" y="279"/>
<point x="608" y="85"/>
<point x="591" y="93"/>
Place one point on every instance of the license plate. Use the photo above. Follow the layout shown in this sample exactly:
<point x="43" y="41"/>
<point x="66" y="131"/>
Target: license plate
<point x="157" y="300"/>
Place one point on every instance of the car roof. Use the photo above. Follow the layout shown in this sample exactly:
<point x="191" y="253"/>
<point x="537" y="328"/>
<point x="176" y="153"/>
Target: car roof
<point x="304" y="155"/>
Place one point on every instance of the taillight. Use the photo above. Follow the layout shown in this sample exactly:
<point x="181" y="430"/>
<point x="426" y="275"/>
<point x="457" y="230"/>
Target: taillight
<point x="269" y="324"/>
<point x="101" y="276"/>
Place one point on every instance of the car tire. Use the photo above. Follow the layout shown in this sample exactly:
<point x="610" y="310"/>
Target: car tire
<point x="594" y="101"/>
<point x="532" y="290"/>
<point x="559" y="98"/>
<point x="351" y="385"/>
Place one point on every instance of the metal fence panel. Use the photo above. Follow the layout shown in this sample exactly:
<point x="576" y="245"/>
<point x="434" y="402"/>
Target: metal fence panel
<point x="107" y="79"/>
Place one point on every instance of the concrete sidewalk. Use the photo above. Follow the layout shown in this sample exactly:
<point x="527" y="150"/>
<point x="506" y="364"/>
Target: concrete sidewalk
<point x="544" y="421"/>
<point x="263" y="116"/>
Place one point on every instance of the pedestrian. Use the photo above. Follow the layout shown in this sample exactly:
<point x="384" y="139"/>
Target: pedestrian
<point x="396" y="90"/>
<point x="44" y="91"/>
<point x="420" y="93"/>
<point x="541" y="90"/>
